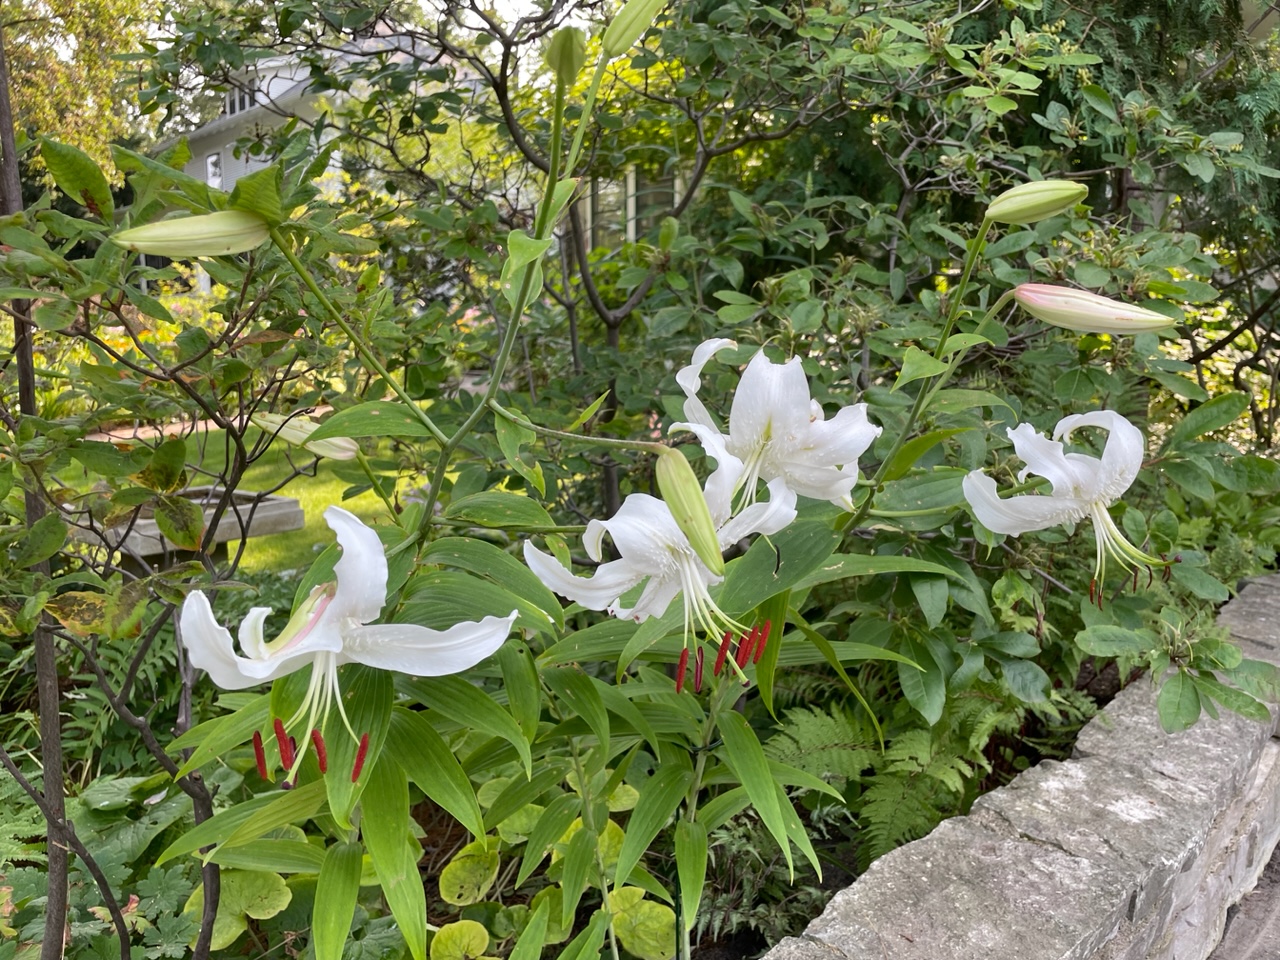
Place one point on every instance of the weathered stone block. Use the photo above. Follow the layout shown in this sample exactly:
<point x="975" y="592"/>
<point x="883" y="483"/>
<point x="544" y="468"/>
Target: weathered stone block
<point x="965" y="892"/>
<point x="1148" y="827"/>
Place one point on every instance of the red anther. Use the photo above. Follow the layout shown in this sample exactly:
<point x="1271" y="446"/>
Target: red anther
<point x="764" y="638"/>
<point x="1151" y="577"/>
<point x="724" y="650"/>
<point x="697" y="671"/>
<point x="260" y="755"/>
<point x="1093" y="585"/>
<point x="285" y="743"/>
<point x="1135" y="579"/>
<point x="360" y="755"/>
<point x="745" y="646"/>
<point x="286" y="785"/>
<point x="322" y="755"/>
<point x="681" y="668"/>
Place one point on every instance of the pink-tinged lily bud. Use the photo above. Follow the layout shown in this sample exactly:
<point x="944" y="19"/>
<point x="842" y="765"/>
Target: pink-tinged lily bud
<point x="297" y="430"/>
<point x="635" y="17"/>
<point x="566" y="53"/>
<point x="1036" y="201"/>
<point x="209" y="235"/>
<point x="688" y="505"/>
<point x="1086" y="312"/>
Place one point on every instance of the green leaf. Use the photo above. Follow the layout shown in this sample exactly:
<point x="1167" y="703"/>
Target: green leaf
<point x="378" y="418"/>
<point x="461" y="940"/>
<point x="915" y="448"/>
<point x="335" y="904"/>
<point x="646" y="930"/>
<point x="1000" y="105"/>
<point x="586" y="945"/>
<point x="291" y="806"/>
<point x="442" y="598"/>
<point x="1234" y="700"/>
<point x="384" y="826"/>
<point x="494" y="508"/>
<point x="470" y="707"/>
<point x="931" y="593"/>
<point x="925" y="689"/>
<point x="242" y="894"/>
<point x="775" y="564"/>
<point x="1178" y="703"/>
<point x="1203" y="584"/>
<point x="743" y="753"/>
<point x="659" y="798"/>
<point x="578" y="860"/>
<point x="511" y="437"/>
<point x="224" y="823"/>
<point x="1105" y="640"/>
<point x="529" y="944"/>
<point x="486" y="560"/>
<point x="222" y="734"/>
<point x="42" y="541"/>
<point x="588" y="413"/>
<point x="917" y="365"/>
<point x="1219" y="412"/>
<point x="79" y="177"/>
<point x="167" y="470"/>
<point x="575" y="689"/>
<point x="551" y="826"/>
<point x="180" y="520"/>
<point x="1100" y="100"/>
<point x="520" y="680"/>
<point x="421" y="752"/>
<point x="843" y="566"/>
<point x="470" y="874"/>
<point x="524" y="248"/>
<point x="276" y="856"/>
<point x="691" y="868"/>
<point x="259" y="192"/>
<point x="367" y="695"/>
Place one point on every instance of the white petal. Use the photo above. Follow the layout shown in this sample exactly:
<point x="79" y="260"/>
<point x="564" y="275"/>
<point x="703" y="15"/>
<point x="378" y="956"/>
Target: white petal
<point x="657" y="596"/>
<point x="422" y="652"/>
<point x="1018" y="515"/>
<point x="361" y="570"/>
<point x="209" y="648"/>
<point x="690" y="379"/>
<point x="335" y="448"/>
<point x="1045" y="458"/>
<point x="722" y="483"/>
<point x="646" y="534"/>
<point x="597" y="592"/>
<point x="772" y="401"/>
<point x="841" y="440"/>
<point x="763" y="516"/>
<point x="252" y="642"/>
<point x="820" y="482"/>
<point x="1122" y="456"/>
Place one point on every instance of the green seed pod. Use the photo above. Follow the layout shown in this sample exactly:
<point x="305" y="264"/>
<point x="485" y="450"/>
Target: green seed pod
<point x="635" y="17"/>
<point x="209" y="235"/>
<point x="684" y="497"/>
<point x="1036" y="201"/>
<point x="566" y="53"/>
<point x="668" y="232"/>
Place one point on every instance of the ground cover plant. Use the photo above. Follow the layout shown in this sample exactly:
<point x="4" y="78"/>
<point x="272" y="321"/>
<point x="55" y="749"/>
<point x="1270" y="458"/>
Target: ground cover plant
<point x="665" y="584"/>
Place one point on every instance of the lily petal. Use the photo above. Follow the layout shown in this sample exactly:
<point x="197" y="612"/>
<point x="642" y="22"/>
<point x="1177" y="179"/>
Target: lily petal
<point x="1046" y="458"/>
<point x="646" y="534"/>
<point x="422" y="652"/>
<point x="771" y="403"/>
<point x="1121" y="457"/>
<point x="361" y="570"/>
<point x="721" y="484"/>
<point x="209" y="647"/>
<point x="1018" y="515"/>
<point x="690" y="379"/>
<point x="767" y="516"/>
<point x="596" y="592"/>
<point x="654" y="598"/>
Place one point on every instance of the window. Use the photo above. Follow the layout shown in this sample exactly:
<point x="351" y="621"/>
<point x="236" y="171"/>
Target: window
<point x="213" y="170"/>
<point x="608" y="213"/>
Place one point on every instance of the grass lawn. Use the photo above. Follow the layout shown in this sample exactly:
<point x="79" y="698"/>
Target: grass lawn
<point x="294" y="550"/>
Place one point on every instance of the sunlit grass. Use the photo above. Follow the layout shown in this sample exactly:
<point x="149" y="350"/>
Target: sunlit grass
<point x="296" y="549"/>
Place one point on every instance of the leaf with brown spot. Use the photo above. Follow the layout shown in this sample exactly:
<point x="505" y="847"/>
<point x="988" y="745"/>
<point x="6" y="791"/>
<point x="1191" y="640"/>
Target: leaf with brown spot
<point x="80" y="611"/>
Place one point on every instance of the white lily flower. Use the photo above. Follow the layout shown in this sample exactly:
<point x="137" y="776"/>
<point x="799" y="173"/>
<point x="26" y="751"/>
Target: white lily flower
<point x="779" y="432"/>
<point x="1082" y="486"/>
<point x="297" y="429"/>
<point x="654" y="548"/>
<point x="332" y="627"/>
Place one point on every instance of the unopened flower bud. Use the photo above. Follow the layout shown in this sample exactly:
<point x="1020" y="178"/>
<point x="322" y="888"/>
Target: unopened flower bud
<point x="566" y="53"/>
<point x="208" y="235"/>
<point x="1086" y="312"/>
<point x="297" y="430"/>
<point x="1036" y="201"/>
<point x="635" y="17"/>
<point x="683" y="493"/>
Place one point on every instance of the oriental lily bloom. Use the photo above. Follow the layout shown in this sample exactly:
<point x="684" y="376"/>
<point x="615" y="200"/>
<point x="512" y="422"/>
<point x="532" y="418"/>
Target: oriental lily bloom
<point x="1082" y="486"/>
<point x="332" y="627"/>
<point x="297" y="430"/>
<point x="654" y="548"/>
<point x="779" y="432"/>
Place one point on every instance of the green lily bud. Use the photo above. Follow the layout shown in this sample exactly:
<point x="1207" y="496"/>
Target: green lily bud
<point x="1036" y="201"/>
<point x="1086" y="312"/>
<point x="684" y="497"/>
<point x="635" y="17"/>
<point x="566" y="53"/>
<point x="209" y="235"/>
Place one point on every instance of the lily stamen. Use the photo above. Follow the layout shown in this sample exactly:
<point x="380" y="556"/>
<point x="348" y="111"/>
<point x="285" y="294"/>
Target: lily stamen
<point x="260" y="756"/>
<point x="322" y="755"/>
<point x="361" y="752"/>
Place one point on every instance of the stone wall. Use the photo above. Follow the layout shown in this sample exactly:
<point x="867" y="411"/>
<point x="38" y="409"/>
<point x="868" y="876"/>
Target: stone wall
<point x="1132" y="850"/>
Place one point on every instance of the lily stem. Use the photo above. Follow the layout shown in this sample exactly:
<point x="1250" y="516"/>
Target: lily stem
<point x="373" y="479"/>
<point x="645" y="446"/>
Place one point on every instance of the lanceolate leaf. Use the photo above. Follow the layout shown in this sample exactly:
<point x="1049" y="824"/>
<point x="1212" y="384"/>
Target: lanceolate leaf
<point x="414" y="744"/>
<point x="743" y="753"/>
<point x="691" y="868"/>
<point x="471" y="708"/>
<point x="394" y="851"/>
<point x="335" y="904"/>
<point x="658" y="801"/>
